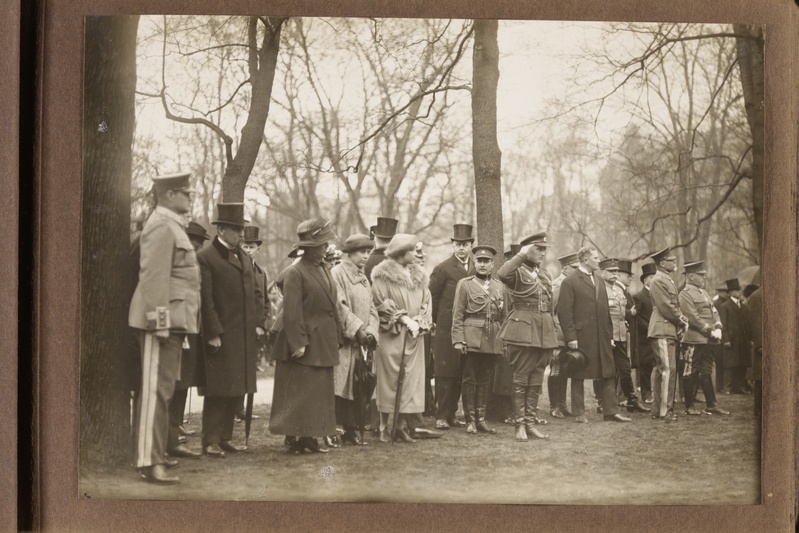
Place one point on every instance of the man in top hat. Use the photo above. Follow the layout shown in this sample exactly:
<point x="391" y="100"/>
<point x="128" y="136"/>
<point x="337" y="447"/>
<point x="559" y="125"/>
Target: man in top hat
<point x="643" y="347"/>
<point x="383" y="231"/>
<point x="704" y="329"/>
<point x="233" y="318"/>
<point x="557" y="382"/>
<point x="478" y="313"/>
<point x="449" y="361"/>
<point x="665" y="322"/>
<point x="529" y="331"/>
<point x="735" y="339"/>
<point x="164" y="309"/>
<point x="191" y="372"/>
<point x="307" y="347"/>
<point x="618" y="305"/>
<point x="585" y="320"/>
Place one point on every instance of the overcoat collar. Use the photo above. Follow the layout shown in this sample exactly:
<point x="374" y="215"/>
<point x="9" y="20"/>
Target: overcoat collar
<point x="316" y="274"/>
<point x="354" y="274"/>
<point x="227" y="253"/>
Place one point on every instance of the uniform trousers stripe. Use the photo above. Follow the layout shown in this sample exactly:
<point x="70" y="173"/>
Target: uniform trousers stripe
<point x="148" y="398"/>
<point x="664" y="376"/>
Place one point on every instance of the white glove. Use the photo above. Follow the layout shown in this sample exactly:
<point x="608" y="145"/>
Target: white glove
<point x="716" y="334"/>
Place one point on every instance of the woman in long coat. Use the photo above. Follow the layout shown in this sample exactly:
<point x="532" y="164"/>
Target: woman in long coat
<point x="359" y="320"/>
<point x="402" y="299"/>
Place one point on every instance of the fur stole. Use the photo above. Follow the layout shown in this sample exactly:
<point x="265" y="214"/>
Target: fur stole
<point x="411" y="277"/>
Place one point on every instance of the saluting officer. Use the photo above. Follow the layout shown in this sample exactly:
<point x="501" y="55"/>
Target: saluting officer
<point x="477" y="314"/>
<point x="696" y="348"/>
<point x="165" y="308"/>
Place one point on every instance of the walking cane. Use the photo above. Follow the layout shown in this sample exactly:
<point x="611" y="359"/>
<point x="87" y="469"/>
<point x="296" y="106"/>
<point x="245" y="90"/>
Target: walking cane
<point x="400" y="381"/>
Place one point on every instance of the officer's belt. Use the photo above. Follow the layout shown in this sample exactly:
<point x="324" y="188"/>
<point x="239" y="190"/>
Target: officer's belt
<point x="530" y="307"/>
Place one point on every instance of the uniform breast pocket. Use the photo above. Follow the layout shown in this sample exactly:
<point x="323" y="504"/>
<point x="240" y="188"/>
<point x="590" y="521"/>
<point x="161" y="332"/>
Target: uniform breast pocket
<point x="473" y="331"/>
<point x="518" y="328"/>
<point x="184" y="254"/>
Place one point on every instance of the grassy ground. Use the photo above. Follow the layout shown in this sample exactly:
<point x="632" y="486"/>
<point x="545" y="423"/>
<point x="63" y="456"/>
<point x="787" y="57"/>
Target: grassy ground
<point x="697" y="460"/>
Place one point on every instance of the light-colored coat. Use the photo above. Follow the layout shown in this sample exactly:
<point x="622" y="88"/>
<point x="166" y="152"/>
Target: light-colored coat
<point x="666" y="314"/>
<point x="356" y="310"/>
<point x="169" y="277"/>
<point x="696" y="305"/>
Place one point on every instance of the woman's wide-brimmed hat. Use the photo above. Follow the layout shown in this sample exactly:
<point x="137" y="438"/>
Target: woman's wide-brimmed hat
<point x="314" y="231"/>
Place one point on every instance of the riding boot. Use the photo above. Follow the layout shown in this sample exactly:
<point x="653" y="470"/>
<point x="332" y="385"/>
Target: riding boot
<point x="706" y="382"/>
<point x="518" y="397"/>
<point x="481" y="398"/>
<point x="468" y="398"/>
<point x="531" y="413"/>
<point x="689" y="389"/>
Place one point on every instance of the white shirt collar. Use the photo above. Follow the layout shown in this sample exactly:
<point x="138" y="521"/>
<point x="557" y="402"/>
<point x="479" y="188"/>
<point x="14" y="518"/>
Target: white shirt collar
<point x="225" y="243"/>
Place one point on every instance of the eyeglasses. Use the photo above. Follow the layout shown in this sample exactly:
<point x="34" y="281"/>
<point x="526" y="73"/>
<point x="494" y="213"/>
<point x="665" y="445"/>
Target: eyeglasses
<point x="187" y="194"/>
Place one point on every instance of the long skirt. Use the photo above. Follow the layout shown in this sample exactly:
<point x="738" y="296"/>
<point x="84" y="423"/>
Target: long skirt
<point x="303" y="403"/>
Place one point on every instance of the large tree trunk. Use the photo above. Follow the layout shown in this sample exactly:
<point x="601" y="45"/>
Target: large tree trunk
<point x="485" y="149"/>
<point x="263" y="63"/>
<point x="108" y="124"/>
<point x="750" y="60"/>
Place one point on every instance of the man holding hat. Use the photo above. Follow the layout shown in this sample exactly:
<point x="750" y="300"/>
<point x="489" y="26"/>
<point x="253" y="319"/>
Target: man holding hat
<point x="449" y="361"/>
<point x="383" y="231"/>
<point x="721" y="296"/>
<point x="307" y="348"/>
<point x="358" y="317"/>
<point x="585" y="320"/>
<point x="645" y="354"/>
<point x="735" y="339"/>
<point x="665" y="322"/>
<point x="704" y="330"/>
<point x="233" y="319"/>
<point x="478" y="313"/>
<point x="529" y="331"/>
<point x="557" y="383"/>
<point x="165" y="308"/>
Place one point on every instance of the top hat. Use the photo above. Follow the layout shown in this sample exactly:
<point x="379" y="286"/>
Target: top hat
<point x="538" y="239"/>
<point x="314" y="231"/>
<point x="173" y="182"/>
<point x="484" y="250"/>
<point x="609" y="263"/>
<point x="568" y="259"/>
<point x="230" y="213"/>
<point x="626" y="266"/>
<point x="574" y="360"/>
<point x="722" y="287"/>
<point x="193" y="229"/>
<point x="733" y="284"/>
<point x="357" y="242"/>
<point x="695" y="267"/>
<point x="648" y="269"/>
<point x="385" y="227"/>
<point x="662" y="255"/>
<point x="251" y="235"/>
<point x="462" y="232"/>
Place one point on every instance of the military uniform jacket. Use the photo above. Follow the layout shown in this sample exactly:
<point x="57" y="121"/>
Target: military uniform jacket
<point x="697" y="306"/>
<point x="478" y="313"/>
<point x="530" y="321"/>
<point x="665" y="307"/>
<point x="443" y="280"/>
<point x="169" y="279"/>
<point x="617" y="305"/>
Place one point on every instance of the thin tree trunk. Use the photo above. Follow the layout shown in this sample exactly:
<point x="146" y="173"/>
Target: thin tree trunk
<point x="108" y="124"/>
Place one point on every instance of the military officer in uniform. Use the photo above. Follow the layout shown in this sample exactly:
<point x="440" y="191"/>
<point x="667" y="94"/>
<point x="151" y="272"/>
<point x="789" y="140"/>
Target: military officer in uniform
<point x="696" y="347"/>
<point x="529" y="330"/>
<point x="477" y="314"/>
<point x="558" y="383"/>
<point x="165" y="308"/>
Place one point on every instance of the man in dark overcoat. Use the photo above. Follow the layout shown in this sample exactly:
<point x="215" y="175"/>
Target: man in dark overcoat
<point x="307" y="347"/>
<point x="735" y="339"/>
<point x="722" y="295"/>
<point x="754" y="305"/>
<point x="584" y="318"/>
<point x="448" y="361"/>
<point x="233" y="318"/>
<point x="384" y="230"/>
<point x="646" y="356"/>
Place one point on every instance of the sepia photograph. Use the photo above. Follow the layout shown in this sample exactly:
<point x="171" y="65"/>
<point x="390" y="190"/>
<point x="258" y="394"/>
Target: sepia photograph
<point x="425" y="260"/>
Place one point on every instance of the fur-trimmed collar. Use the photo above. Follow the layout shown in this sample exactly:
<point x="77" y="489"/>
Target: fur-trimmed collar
<point x="392" y="272"/>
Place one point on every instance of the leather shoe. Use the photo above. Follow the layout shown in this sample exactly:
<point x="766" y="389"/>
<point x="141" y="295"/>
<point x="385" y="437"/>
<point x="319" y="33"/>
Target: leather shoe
<point x="182" y="451"/>
<point x="634" y="407"/>
<point x="157" y="474"/>
<point x="617" y="418"/>
<point x="424" y="433"/>
<point x="384" y="437"/>
<point x="310" y="444"/>
<point x="213" y="450"/>
<point x="533" y="432"/>
<point x="521" y="433"/>
<point x="693" y="412"/>
<point x="539" y="421"/>
<point x="351" y="437"/>
<point x="171" y="463"/>
<point x="471" y="428"/>
<point x="403" y="436"/>
<point x="556" y="413"/>
<point x="442" y="424"/>
<point x="230" y="447"/>
<point x="581" y="419"/>
<point x="670" y="417"/>
<point x="716" y="411"/>
<point x="482" y="427"/>
<point x="564" y="410"/>
<point x="331" y="442"/>
<point x="455" y="423"/>
<point x="186" y="432"/>
<point x="509" y="421"/>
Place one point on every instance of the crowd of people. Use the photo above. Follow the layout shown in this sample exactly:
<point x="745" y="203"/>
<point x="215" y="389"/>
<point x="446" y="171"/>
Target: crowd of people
<point x="359" y="334"/>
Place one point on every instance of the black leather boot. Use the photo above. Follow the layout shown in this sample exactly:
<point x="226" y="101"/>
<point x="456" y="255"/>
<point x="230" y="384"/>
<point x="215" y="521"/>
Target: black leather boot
<point x="530" y="415"/>
<point x="481" y="397"/>
<point x="517" y="398"/>
<point x="467" y="394"/>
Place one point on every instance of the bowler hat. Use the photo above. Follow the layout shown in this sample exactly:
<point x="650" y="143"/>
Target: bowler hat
<point x="484" y="250"/>
<point x="462" y="233"/>
<point x="314" y="231"/>
<point x="733" y="284"/>
<point x="609" y="263"/>
<point x="251" y="235"/>
<point x="357" y="242"/>
<point x="173" y="182"/>
<point x="626" y="266"/>
<point x="386" y="227"/>
<point x="662" y="255"/>
<point x="193" y="229"/>
<point x="574" y="360"/>
<point x="648" y="269"/>
<point x="538" y="239"/>
<point x="231" y="214"/>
